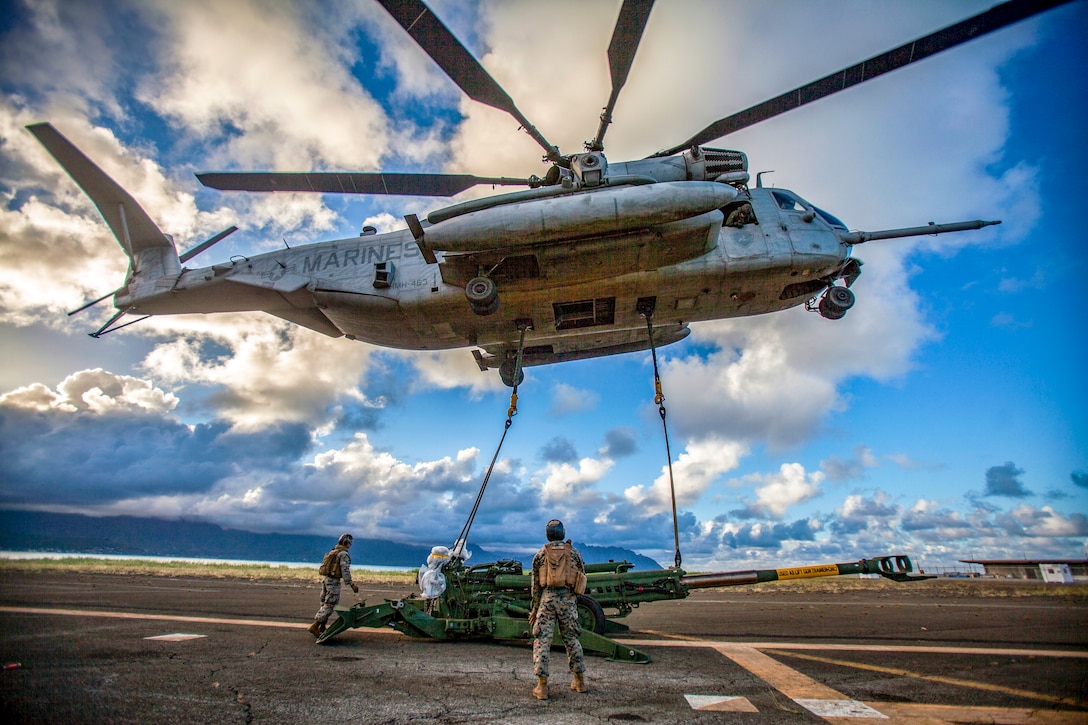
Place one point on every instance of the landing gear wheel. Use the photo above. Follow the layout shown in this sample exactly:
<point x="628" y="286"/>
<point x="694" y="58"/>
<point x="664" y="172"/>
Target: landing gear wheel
<point x="482" y="295"/>
<point x="590" y="614"/>
<point x="506" y="374"/>
<point x="835" y="303"/>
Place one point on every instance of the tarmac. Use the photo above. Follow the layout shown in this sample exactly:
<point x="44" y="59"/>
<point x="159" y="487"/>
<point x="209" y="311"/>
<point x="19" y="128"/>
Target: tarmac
<point x="125" y="649"/>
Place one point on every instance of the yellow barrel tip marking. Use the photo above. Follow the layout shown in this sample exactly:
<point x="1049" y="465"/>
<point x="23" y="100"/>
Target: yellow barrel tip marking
<point x="805" y="572"/>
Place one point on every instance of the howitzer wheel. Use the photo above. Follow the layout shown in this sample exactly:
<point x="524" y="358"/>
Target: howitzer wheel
<point x="590" y="615"/>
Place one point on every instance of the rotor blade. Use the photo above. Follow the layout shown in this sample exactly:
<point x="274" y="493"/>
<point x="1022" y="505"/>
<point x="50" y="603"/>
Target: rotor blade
<point x="993" y="19"/>
<point x="352" y="182"/>
<point x="463" y="69"/>
<point x="621" y="54"/>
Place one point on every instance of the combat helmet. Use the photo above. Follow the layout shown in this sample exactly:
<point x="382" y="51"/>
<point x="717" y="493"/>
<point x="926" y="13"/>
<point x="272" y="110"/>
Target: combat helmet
<point x="555" y="530"/>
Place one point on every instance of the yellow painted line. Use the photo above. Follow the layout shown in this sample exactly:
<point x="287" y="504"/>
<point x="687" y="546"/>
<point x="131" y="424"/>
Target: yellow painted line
<point x="711" y="644"/>
<point x="786" y="680"/>
<point x="943" y="680"/>
<point x="901" y="712"/>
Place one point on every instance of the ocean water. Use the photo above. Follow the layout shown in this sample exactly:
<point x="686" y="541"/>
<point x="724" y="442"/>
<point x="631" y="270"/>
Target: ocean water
<point x="23" y="555"/>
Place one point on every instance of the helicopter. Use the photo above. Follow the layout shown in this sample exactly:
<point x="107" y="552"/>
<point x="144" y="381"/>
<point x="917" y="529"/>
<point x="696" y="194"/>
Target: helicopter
<point x="595" y="257"/>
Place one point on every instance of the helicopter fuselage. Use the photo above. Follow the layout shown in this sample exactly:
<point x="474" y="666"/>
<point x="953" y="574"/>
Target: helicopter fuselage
<point x="581" y="295"/>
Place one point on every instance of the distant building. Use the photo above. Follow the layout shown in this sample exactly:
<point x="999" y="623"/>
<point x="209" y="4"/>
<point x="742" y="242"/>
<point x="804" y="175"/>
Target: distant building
<point x="1048" y="570"/>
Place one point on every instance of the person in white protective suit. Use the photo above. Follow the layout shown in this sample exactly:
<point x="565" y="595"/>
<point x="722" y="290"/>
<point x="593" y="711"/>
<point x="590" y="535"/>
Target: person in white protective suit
<point x="430" y="579"/>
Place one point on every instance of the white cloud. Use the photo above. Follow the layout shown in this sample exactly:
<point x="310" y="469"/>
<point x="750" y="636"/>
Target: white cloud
<point x="569" y="400"/>
<point x="274" y="81"/>
<point x="95" y="391"/>
<point x="265" y="371"/>
<point x="694" y="470"/>
<point x="777" y="492"/>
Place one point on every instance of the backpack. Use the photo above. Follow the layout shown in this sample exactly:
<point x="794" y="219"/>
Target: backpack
<point x="330" y="565"/>
<point x="559" y="571"/>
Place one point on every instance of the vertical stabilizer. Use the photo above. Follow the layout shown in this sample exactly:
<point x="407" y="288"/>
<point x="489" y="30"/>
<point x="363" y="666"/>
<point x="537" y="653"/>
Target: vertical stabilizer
<point x="153" y="260"/>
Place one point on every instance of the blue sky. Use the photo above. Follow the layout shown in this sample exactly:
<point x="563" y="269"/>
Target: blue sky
<point x="944" y="417"/>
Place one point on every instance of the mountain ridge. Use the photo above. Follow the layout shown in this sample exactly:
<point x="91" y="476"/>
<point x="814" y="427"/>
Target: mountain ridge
<point x="135" y="536"/>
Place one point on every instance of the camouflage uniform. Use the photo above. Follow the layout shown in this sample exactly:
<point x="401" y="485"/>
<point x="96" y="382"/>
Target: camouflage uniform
<point x="556" y="605"/>
<point x="330" y="587"/>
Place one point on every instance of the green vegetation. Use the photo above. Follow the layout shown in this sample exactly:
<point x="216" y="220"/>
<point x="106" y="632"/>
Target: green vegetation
<point x="942" y="587"/>
<point x="138" y="567"/>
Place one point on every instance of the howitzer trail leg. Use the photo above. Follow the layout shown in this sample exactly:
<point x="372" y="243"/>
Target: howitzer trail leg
<point x="612" y="649"/>
<point x="358" y="615"/>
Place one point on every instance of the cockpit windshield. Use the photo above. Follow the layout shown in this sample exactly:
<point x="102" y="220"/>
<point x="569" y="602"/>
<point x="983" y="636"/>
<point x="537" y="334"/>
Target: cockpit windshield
<point x="830" y="219"/>
<point x="787" y="201"/>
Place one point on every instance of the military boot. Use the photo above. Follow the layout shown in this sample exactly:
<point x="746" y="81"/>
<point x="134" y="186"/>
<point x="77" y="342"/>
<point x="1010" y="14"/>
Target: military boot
<point x="578" y="684"/>
<point x="315" y="629"/>
<point x="540" y="692"/>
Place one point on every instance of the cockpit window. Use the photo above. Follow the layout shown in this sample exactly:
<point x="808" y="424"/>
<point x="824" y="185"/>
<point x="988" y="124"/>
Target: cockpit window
<point x="830" y="219"/>
<point x="787" y="201"/>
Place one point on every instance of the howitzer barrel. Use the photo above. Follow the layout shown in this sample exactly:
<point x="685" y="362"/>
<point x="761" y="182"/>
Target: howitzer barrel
<point x="897" y="568"/>
<point x="859" y="237"/>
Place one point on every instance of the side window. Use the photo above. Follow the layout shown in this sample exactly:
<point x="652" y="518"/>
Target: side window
<point x="787" y="202"/>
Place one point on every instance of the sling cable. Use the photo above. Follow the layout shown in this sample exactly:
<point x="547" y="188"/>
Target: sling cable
<point x="645" y="307"/>
<point x="523" y="327"/>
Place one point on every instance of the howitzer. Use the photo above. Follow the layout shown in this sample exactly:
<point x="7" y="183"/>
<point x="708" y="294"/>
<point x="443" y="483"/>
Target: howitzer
<point x="492" y="601"/>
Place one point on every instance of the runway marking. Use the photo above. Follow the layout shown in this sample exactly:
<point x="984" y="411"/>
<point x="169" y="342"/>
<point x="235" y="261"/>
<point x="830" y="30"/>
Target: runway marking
<point x="675" y="641"/>
<point x="795" y="685"/>
<point x="937" y="678"/>
<point x="178" y="637"/>
<point x="919" y="713"/>
<point x="720" y="703"/>
<point x="817" y="698"/>
<point x="166" y="618"/>
<point x="678" y="641"/>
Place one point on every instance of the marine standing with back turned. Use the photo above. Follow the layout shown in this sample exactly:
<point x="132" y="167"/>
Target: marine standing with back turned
<point x="558" y="578"/>
<point x="335" y="567"/>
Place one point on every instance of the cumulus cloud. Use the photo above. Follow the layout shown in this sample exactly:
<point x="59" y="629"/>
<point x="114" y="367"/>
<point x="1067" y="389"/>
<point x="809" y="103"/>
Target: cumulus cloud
<point x="220" y="63"/>
<point x="838" y="469"/>
<point x="559" y="450"/>
<point x="95" y="391"/>
<point x="859" y="513"/>
<point x="1042" y="522"/>
<point x="619" y="443"/>
<point x="1005" y="480"/>
<point x="777" y="492"/>
<point x="264" y="370"/>
<point x="101" y="440"/>
<point x="695" y="469"/>
<point x="569" y="400"/>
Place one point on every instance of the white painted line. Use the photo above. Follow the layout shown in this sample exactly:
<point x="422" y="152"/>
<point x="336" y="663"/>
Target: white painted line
<point x="720" y="703"/>
<point x="178" y="637"/>
<point x="839" y="708"/>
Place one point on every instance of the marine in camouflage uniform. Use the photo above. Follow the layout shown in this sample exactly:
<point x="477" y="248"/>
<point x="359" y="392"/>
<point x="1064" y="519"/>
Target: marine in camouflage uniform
<point x="552" y="606"/>
<point x="330" y="586"/>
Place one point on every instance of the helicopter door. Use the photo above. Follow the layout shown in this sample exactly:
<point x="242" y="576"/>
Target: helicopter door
<point x="744" y="240"/>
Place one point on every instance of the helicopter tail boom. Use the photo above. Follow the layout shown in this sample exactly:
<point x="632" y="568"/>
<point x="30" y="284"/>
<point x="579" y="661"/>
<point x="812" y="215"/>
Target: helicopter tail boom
<point x="153" y="258"/>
